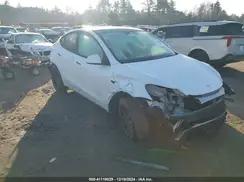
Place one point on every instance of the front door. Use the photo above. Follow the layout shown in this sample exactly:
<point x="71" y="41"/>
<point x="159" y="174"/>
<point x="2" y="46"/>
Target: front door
<point x="95" y="79"/>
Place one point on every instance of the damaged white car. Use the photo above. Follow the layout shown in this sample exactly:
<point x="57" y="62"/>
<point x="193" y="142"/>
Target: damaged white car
<point x="133" y="75"/>
<point x="28" y="42"/>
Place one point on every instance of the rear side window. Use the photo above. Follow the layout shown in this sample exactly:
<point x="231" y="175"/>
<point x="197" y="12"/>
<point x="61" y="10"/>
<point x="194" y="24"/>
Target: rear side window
<point x="70" y="41"/>
<point x="179" y="32"/>
<point x="226" y="29"/>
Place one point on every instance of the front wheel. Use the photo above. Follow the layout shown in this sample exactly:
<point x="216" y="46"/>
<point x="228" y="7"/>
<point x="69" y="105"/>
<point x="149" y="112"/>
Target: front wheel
<point x="133" y="120"/>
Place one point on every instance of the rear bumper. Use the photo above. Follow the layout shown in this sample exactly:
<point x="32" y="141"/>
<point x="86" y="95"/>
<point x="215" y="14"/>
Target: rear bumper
<point x="190" y="123"/>
<point x="228" y="59"/>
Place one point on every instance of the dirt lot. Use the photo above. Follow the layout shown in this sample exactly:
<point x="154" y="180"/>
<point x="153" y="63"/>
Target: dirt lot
<point x="46" y="134"/>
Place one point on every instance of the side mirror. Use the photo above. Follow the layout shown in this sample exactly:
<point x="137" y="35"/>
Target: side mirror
<point x="94" y="59"/>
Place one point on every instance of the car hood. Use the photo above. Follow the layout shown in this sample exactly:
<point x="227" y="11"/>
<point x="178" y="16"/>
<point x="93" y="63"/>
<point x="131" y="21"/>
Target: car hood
<point x="180" y="72"/>
<point x="36" y="46"/>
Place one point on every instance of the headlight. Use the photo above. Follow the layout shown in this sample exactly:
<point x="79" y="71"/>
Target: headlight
<point x="170" y="100"/>
<point x="158" y="92"/>
<point x="155" y="91"/>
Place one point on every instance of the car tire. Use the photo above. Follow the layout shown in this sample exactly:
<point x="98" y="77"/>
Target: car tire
<point x="57" y="81"/>
<point x="132" y="119"/>
<point x="200" y="55"/>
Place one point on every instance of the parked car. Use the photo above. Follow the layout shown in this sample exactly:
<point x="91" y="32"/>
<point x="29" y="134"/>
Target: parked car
<point x="50" y="34"/>
<point x="217" y="43"/>
<point x="30" y="42"/>
<point x="61" y="30"/>
<point x="133" y="75"/>
<point x="21" y="29"/>
<point x="147" y="28"/>
<point x="5" y="32"/>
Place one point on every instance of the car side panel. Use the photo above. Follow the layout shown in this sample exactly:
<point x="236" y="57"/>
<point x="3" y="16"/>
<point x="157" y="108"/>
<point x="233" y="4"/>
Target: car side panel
<point x="215" y="47"/>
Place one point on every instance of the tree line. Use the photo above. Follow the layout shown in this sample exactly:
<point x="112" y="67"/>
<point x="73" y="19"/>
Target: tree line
<point x="120" y="12"/>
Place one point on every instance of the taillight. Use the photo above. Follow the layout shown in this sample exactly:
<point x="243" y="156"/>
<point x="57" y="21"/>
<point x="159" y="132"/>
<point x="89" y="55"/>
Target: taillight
<point x="229" y="40"/>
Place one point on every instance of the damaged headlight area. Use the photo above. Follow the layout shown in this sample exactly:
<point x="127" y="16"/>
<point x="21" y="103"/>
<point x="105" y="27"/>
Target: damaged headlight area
<point x="188" y="113"/>
<point x="174" y="102"/>
<point x="168" y="100"/>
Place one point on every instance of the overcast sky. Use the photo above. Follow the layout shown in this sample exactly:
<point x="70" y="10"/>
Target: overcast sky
<point x="231" y="6"/>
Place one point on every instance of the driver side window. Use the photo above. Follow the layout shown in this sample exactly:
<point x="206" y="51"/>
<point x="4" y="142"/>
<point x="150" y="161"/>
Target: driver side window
<point x="88" y="46"/>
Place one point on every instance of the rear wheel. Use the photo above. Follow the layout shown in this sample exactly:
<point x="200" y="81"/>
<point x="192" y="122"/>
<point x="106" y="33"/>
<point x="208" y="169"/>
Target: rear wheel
<point x="57" y="81"/>
<point x="133" y="121"/>
<point x="200" y="55"/>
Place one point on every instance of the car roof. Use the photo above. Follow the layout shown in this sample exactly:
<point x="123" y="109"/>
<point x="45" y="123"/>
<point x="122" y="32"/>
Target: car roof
<point x="6" y="27"/>
<point x="25" y="33"/>
<point x="43" y="29"/>
<point x="206" y="23"/>
<point x="96" y="28"/>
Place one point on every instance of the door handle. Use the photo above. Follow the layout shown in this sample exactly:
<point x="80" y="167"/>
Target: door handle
<point x="77" y="62"/>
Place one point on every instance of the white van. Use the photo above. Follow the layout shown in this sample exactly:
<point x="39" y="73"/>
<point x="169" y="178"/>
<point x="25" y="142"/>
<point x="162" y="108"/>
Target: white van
<point x="217" y="43"/>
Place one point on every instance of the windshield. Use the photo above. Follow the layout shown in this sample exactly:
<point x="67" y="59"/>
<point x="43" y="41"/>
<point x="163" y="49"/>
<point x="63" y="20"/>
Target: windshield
<point x="133" y="46"/>
<point x="5" y="30"/>
<point x="30" y="39"/>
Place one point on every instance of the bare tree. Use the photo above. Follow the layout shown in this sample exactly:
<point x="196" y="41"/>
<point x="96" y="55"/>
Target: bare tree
<point x="149" y="6"/>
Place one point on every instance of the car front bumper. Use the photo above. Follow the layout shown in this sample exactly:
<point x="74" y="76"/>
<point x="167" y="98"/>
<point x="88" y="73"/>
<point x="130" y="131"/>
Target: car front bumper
<point x="190" y="123"/>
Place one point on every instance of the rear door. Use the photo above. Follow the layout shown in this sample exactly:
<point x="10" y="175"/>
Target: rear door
<point x="64" y="60"/>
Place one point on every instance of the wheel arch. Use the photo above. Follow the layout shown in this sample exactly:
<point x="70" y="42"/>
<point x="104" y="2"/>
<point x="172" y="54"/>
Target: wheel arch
<point x="114" y="101"/>
<point x="198" y="50"/>
<point x="54" y="69"/>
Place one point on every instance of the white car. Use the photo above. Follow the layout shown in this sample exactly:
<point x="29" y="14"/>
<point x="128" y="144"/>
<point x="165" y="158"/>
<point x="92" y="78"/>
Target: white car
<point x="217" y="42"/>
<point x="30" y="42"/>
<point x="5" y="33"/>
<point x="132" y="74"/>
<point x="50" y="34"/>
